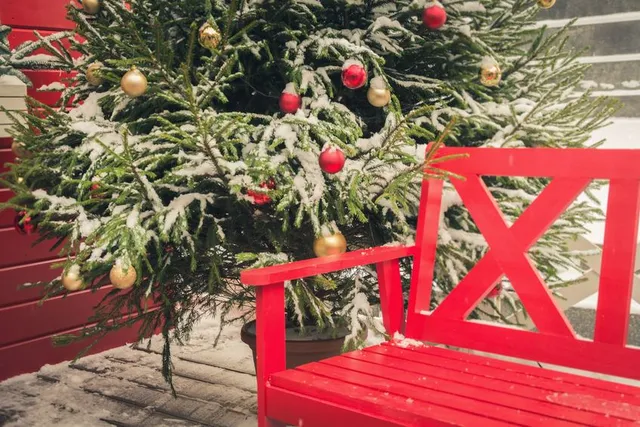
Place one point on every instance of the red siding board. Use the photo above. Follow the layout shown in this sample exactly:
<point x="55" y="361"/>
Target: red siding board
<point x="17" y="249"/>
<point x="12" y="279"/>
<point x="41" y="14"/>
<point x="5" y="142"/>
<point x="6" y="156"/>
<point x="30" y="355"/>
<point x="40" y="78"/>
<point x="7" y="215"/>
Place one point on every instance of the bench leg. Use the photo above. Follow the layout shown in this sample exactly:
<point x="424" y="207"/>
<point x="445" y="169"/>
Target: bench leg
<point x="270" y="343"/>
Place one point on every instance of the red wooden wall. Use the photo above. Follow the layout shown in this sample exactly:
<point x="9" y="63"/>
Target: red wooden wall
<point x="26" y="327"/>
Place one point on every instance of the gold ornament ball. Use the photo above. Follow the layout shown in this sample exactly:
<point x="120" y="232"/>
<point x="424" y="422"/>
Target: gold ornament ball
<point x="546" y="4"/>
<point x="91" y="7"/>
<point x="18" y="149"/>
<point x="379" y="97"/>
<point x="93" y="74"/>
<point x="134" y="83"/>
<point x="209" y="37"/>
<point x="490" y="75"/>
<point x="121" y="278"/>
<point x="334" y="244"/>
<point x="71" y="280"/>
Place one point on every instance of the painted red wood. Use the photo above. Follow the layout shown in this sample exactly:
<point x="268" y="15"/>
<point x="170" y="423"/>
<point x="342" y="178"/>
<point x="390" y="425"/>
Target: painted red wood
<point x="41" y="14"/>
<point x="6" y="156"/>
<point x="28" y="356"/>
<point x="270" y="343"/>
<point x="391" y="299"/>
<point x="472" y="385"/>
<point x="5" y="142"/>
<point x="21" y="249"/>
<point x="618" y="262"/>
<point x="12" y="279"/>
<point x="315" y="266"/>
<point x="41" y="78"/>
<point x="6" y="216"/>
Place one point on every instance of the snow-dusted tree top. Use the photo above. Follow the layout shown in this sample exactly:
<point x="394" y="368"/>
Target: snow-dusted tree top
<point x="175" y="169"/>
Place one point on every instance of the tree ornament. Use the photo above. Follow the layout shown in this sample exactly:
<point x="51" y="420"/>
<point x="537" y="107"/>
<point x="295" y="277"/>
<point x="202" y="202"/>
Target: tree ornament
<point x="332" y="160"/>
<point x="546" y="4"/>
<point x="354" y="75"/>
<point x="434" y="16"/>
<point x="71" y="279"/>
<point x="378" y="94"/>
<point x="490" y="73"/>
<point x="18" y="149"/>
<point x="290" y="101"/>
<point x="91" y="7"/>
<point x="332" y="244"/>
<point x="122" y="278"/>
<point x="24" y="224"/>
<point x="134" y="83"/>
<point x="93" y="74"/>
<point x="209" y="37"/>
<point x="260" y="198"/>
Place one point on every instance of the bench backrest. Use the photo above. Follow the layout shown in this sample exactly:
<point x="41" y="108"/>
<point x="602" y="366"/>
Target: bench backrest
<point x="570" y="172"/>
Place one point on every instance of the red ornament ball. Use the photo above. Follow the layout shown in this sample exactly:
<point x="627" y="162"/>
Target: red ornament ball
<point x="332" y="160"/>
<point x="354" y="75"/>
<point x="290" y="101"/>
<point x="23" y="224"/>
<point x="434" y="16"/>
<point x="260" y="198"/>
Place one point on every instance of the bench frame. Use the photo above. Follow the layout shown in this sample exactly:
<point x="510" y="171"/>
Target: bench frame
<point x="571" y="171"/>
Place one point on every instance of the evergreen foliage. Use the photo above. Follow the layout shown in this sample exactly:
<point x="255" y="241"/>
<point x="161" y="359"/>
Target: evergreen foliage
<point x="173" y="168"/>
<point x="7" y="68"/>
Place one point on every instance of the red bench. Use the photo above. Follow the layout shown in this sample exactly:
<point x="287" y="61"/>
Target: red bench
<point x="388" y="385"/>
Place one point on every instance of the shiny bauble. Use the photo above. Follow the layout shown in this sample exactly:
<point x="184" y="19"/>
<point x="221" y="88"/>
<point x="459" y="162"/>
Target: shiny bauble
<point x="122" y="278"/>
<point x="546" y="4"/>
<point x="260" y="198"/>
<point x="354" y="75"/>
<point x="378" y="94"/>
<point x="434" y="16"/>
<point x="18" y="149"/>
<point x="334" y="244"/>
<point x="490" y="74"/>
<point x="91" y="7"/>
<point x="93" y="74"/>
<point x="71" y="279"/>
<point x="24" y="224"/>
<point x="134" y="83"/>
<point x="332" y="160"/>
<point x="290" y="102"/>
<point x="209" y="37"/>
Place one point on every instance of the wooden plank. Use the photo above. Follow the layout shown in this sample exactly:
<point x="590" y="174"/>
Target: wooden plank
<point x="6" y="156"/>
<point x="492" y="405"/>
<point x="391" y="297"/>
<point x="41" y="78"/>
<point x="316" y="266"/>
<point x="6" y="216"/>
<point x="21" y="250"/>
<point x="12" y="279"/>
<point x="5" y="142"/>
<point x="301" y="410"/>
<point x="12" y="103"/>
<point x="53" y="316"/>
<point x="429" y="372"/>
<point x="366" y="401"/>
<point x="12" y="86"/>
<point x="30" y="355"/>
<point x="618" y="263"/>
<point x="45" y="14"/>
<point x="544" y="162"/>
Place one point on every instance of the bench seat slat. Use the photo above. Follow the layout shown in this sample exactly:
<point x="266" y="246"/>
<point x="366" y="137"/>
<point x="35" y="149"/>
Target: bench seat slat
<point x="451" y="376"/>
<point x="427" y="386"/>
<point x="532" y="373"/>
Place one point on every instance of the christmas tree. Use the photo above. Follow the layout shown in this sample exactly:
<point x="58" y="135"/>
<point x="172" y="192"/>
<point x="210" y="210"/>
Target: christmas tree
<point x="208" y="136"/>
<point x="7" y="67"/>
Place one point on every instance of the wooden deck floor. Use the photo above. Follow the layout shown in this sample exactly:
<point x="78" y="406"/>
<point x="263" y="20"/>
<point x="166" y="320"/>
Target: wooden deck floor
<point x="124" y="387"/>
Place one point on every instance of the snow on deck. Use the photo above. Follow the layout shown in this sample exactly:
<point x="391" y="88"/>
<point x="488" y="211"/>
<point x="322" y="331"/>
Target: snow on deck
<point x="124" y="387"/>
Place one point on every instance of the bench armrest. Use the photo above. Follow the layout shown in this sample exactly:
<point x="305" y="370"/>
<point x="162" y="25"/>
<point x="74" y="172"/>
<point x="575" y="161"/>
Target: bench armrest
<point x="316" y="266"/>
